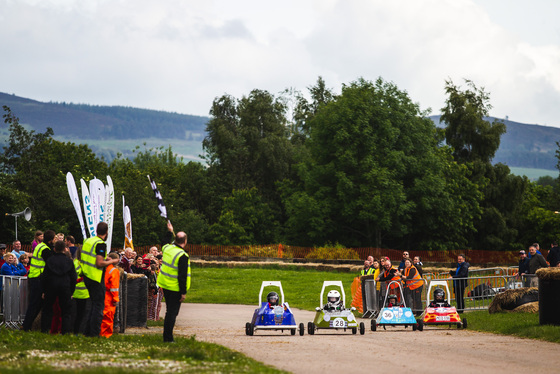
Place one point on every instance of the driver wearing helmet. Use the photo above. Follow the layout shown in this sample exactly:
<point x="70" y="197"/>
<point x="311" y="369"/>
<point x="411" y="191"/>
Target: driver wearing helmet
<point x="333" y="301"/>
<point x="439" y="299"/>
<point x="392" y="301"/>
<point x="272" y="299"/>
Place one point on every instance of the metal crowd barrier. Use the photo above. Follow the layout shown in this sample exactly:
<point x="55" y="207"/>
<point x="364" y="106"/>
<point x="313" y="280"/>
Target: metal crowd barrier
<point x="14" y="301"/>
<point x="478" y="293"/>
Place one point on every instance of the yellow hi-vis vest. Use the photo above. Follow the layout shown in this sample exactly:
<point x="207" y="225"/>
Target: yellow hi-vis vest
<point x="88" y="259"/>
<point x="37" y="263"/>
<point x="169" y="272"/>
<point x="81" y="291"/>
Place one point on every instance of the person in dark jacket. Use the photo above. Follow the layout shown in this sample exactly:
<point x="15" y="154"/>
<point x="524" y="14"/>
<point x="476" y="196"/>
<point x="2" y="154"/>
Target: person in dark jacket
<point x="536" y="262"/>
<point x="59" y="280"/>
<point x="553" y="256"/>
<point x="523" y="268"/>
<point x="460" y="284"/>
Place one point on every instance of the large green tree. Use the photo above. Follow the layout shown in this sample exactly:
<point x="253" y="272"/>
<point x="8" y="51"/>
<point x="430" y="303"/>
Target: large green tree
<point x="377" y="176"/>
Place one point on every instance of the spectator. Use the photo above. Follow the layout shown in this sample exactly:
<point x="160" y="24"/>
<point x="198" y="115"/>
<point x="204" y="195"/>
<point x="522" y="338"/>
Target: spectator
<point x="553" y="257"/>
<point x="59" y="281"/>
<point x="536" y="245"/>
<point x="418" y="265"/>
<point x="376" y="270"/>
<point x="405" y="255"/>
<point x="536" y="262"/>
<point x="126" y="260"/>
<point x="413" y="285"/>
<point x="523" y="268"/>
<point x="80" y="297"/>
<point x="149" y="258"/>
<point x="152" y="293"/>
<point x="59" y="237"/>
<point x="138" y="267"/>
<point x="460" y="283"/>
<point x="71" y="245"/>
<point x="366" y="269"/>
<point x="386" y="275"/>
<point x="10" y="267"/>
<point x="16" y="249"/>
<point x="2" y="253"/>
<point x="41" y="253"/>
<point x="112" y="282"/>
<point x="24" y="260"/>
<point x="39" y="236"/>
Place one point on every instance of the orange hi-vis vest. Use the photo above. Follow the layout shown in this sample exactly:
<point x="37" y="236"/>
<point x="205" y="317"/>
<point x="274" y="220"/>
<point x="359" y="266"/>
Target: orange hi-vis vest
<point x="416" y="281"/>
<point x="395" y="278"/>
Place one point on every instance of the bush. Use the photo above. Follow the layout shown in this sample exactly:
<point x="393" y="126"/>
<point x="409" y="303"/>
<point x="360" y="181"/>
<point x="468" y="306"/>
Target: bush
<point x="336" y="252"/>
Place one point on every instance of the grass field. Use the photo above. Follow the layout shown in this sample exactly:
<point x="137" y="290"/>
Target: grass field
<point x="533" y="174"/>
<point x="33" y="352"/>
<point x="241" y="285"/>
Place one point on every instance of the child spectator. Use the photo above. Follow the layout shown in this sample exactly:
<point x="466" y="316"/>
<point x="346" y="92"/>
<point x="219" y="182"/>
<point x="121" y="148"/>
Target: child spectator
<point x="152" y="293"/>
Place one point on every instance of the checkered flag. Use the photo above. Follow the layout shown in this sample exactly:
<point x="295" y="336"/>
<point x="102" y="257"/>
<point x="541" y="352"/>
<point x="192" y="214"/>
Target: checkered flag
<point x="161" y="205"/>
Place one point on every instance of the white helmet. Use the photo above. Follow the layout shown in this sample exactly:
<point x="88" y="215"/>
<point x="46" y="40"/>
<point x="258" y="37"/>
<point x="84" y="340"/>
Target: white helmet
<point x="333" y="297"/>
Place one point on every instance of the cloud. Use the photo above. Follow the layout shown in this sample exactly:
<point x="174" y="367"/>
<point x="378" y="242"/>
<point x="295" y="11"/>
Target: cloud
<point x="179" y="56"/>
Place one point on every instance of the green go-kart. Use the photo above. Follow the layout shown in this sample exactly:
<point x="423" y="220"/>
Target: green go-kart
<point x="335" y="317"/>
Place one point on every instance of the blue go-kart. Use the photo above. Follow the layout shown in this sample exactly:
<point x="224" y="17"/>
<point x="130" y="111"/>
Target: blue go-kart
<point x="273" y="316"/>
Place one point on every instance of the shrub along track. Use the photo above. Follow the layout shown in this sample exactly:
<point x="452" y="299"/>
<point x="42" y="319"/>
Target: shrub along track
<point x="394" y="350"/>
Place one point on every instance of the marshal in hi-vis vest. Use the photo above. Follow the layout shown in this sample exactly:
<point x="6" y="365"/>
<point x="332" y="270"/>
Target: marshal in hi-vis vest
<point x="81" y="291"/>
<point x="88" y="259"/>
<point x="37" y="263"/>
<point x="169" y="273"/>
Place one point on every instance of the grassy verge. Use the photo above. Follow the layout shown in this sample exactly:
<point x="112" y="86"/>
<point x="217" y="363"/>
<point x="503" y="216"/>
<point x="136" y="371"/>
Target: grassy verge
<point x="23" y="352"/>
<point x="525" y="325"/>
<point x="241" y="285"/>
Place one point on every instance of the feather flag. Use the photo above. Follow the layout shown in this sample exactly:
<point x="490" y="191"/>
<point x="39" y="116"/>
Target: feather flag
<point x="161" y="205"/>
<point x="73" y="192"/>
<point x="88" y="210"/>
<point x="109" y="210"/>
<point x="127" y="226"/>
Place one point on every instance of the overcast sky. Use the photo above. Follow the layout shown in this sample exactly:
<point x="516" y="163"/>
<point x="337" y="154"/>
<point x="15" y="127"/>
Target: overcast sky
<point x="178" y="55"/>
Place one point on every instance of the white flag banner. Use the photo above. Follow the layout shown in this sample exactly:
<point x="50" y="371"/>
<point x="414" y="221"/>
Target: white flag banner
<point x="75" y="198"/>
<point x="97" y="195"/>
<point x="88" y="210"/>
<point x="127" y="227"/>
<point x="109" y="210"/>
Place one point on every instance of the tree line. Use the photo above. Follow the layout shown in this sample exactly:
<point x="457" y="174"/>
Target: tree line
<point x="363" y="168"/>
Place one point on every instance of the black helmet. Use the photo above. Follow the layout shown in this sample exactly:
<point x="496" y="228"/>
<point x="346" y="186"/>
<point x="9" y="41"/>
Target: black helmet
<point x="439" y="294"/>
<point x="392" y="296"/>
<point x="272" y="298"/>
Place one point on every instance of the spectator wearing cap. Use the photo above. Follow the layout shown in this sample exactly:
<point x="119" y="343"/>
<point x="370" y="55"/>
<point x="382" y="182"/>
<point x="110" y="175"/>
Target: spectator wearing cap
<point x="523" y="267"/>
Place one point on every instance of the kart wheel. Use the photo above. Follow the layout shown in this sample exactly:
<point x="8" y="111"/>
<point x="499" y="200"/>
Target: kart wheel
<point x="373" y="325"/>
<point x="354" y="330"/>
<point x="293" y="331"/>
<point x="362" y="328"/>
<point x="465" y="322"/>
<point x="414" y="327"/>
<point x="459" y="325"/>
<point x="310" y="328"/>
<point x="251" y="329"/>
<point x="301" y="329"/>
<point x="247" y="328"/>
<point x="420" y="326"/>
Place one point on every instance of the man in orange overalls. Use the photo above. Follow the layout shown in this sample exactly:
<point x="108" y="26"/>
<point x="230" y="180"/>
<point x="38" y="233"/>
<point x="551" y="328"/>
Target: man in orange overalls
<point x="112" y="280"/>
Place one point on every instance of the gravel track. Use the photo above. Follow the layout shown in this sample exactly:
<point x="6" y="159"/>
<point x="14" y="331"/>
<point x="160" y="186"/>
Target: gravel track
<point x="394" y="350"/>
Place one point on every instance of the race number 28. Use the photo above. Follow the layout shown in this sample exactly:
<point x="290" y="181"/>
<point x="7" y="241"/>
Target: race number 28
<point x="338" y="322"/>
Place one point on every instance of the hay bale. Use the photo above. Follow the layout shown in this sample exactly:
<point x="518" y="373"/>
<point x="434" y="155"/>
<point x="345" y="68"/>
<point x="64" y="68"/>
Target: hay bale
<point x="549" y="274"/>
<point x="511" y="299"/>
<point x="528" y="308"/>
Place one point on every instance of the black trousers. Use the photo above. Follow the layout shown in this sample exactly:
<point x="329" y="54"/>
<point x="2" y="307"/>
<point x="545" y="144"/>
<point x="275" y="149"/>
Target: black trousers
<point x="34" y="302"/>
<point x="78" y="313"/>
<point x="459" y="298"/>
<point x="97" y="297"/>
<point x="64" y="296"/>
<point x="173" y="305"/>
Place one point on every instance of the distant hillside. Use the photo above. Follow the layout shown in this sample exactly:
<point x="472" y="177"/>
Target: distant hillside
<point x="104" y="122"/>
<point x="525" y="146"/>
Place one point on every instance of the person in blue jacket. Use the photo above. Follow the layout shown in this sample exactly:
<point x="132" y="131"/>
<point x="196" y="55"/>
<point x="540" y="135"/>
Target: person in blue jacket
<point x="460" y="282"/>
<point x="10" y="267"/>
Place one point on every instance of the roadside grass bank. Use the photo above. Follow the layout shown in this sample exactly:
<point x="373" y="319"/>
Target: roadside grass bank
<point x="241" y="285"/>
<point x="524" y="325"/>
<point x="34" y="352"/>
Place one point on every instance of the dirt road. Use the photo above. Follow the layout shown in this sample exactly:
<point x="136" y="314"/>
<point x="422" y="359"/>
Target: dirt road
<point x="393" y="351"/>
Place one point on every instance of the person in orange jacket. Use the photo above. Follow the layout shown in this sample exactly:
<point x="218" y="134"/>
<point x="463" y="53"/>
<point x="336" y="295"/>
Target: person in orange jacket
<point x="112" y="280"/>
